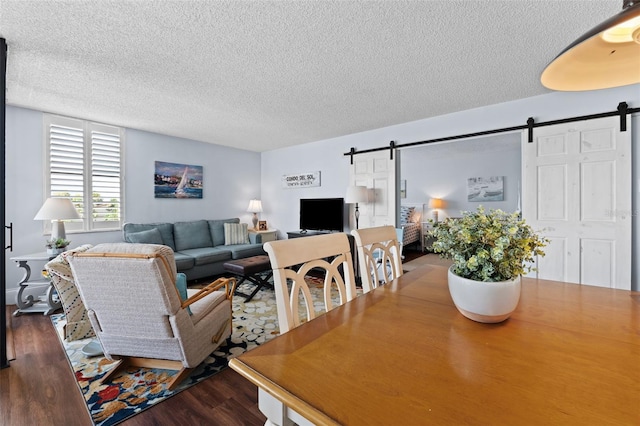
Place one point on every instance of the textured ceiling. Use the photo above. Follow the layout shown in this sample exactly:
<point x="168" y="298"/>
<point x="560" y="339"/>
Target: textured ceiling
<point x="261" y="75"/>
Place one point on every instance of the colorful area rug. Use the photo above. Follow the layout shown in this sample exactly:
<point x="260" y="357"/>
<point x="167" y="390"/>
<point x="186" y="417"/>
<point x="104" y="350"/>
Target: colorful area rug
<point x="137" y="389"/>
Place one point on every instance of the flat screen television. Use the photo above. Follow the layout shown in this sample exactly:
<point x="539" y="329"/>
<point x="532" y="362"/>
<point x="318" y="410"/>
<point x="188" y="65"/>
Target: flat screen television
<point x="322" y="214"/>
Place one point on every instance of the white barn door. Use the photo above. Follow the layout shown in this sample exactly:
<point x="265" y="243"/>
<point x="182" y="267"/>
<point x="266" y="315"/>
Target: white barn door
<point x="576" y="181"/>
<point x="377" y="172"/>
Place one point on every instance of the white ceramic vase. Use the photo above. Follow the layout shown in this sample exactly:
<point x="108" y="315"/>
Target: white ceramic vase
<point x="483" y="301"/>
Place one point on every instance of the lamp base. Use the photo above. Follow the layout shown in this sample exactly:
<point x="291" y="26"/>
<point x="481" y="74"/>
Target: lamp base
<point x="357" y="214"/>
<point x="254" y="219"/>
<point x="57" y="230"/>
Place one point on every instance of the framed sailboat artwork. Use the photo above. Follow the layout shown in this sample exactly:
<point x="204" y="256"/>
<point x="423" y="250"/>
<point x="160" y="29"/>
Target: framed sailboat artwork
<point x="172" y="180"/>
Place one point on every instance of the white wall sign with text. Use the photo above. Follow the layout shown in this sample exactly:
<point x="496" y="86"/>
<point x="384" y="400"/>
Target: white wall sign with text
<point x="301" y="180"/>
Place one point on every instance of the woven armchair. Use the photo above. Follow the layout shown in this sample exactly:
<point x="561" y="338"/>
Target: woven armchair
<point x="138" y="314"/>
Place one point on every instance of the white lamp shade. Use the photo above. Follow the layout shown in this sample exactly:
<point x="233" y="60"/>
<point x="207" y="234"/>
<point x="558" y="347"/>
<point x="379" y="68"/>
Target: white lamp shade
<point x="255" y="206"/>
<point x="436" y="203"/>
<point x="356" y="194"/>
<point x="57" y="209"/>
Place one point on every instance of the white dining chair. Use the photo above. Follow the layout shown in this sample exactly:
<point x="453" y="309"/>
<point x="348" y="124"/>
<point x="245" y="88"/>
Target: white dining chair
<point x="292" y="259"/>
<point x="379" y="255"/>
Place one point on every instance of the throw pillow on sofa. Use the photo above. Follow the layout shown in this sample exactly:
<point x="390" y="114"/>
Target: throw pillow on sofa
<point x="236" y="233"/>
<point x="151" y="236"/>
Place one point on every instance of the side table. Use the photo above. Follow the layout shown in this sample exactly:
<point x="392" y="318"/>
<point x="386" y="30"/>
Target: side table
<point x="427" y="240"/>
<point x="46" y="303"/>
<point x="266" y="235"/>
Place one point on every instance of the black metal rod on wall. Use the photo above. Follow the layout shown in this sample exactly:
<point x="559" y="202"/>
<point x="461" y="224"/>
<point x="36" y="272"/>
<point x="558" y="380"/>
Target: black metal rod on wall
<point x="4" y="362"/>
<point x="621" y="111"/>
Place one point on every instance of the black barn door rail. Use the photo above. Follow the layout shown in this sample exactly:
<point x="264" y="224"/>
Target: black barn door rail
<point x="622" y="110"/>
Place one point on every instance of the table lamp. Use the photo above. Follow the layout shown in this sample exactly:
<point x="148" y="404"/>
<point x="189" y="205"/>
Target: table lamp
<point x="355" y="195"/>
<point x="57" y="210"/>
<point x="435" y="204"/>
<point x="255" y="207"/>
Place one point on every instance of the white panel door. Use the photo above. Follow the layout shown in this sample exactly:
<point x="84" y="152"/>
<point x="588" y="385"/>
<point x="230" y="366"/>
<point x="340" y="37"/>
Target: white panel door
<point x="377" y="172"/>
<point x="576" y="180"/>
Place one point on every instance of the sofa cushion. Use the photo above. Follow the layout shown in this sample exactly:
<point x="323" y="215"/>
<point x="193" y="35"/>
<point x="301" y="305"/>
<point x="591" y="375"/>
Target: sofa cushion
<point x="150" y="236"/>
<point x="206" y="255"/>
<point x="240" y="251"/>
<point x="191" y="234"/>
<point x="166" y="230"/>
<point x="236" y="233"/>
<point x="183" y="261"/>
<point x="216" y="228"/>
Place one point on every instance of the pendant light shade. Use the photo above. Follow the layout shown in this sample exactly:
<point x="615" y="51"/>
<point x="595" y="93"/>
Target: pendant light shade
<point x="607" y="56"/>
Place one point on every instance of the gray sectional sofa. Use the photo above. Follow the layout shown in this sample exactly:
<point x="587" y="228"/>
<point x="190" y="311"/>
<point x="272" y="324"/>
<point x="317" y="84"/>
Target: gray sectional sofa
<point x="199" y="245"/>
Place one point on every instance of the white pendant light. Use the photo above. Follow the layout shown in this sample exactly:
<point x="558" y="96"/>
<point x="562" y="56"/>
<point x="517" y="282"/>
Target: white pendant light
<point x="607" y="56"/>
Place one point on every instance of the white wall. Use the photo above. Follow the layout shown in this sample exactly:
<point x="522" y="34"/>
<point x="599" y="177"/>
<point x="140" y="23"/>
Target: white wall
<point x="281" y="204"/>
<point x="231" y="179"/>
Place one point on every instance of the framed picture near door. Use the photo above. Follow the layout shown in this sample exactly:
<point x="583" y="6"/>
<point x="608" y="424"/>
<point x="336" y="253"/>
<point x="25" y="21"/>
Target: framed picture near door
<point x="485" y="188"/>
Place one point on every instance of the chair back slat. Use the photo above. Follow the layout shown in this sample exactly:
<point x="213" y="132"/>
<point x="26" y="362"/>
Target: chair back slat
<point x="293" y="259"/>
<point x="379" y="255"/>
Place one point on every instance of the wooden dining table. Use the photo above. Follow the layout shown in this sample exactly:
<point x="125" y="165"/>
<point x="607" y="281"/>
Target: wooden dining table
<point x="402" y="354"/>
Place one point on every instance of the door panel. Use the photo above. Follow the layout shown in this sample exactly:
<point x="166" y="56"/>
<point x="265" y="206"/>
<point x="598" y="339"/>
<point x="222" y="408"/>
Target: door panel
<point x="598" y="262"/>
<point x="553" y="265"/>
<point x="377" y="172"/>
<point x="553" y="206"/>
<point x="577" y="192"/>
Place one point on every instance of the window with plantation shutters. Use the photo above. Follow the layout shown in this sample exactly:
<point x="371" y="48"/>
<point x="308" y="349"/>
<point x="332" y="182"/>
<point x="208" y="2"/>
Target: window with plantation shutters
<point x="84" y="163"/>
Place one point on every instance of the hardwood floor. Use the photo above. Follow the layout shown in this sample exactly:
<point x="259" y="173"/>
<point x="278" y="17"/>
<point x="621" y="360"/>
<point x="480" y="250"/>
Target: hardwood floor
<point x="39" y="388"/>
<point x="411" y="253"/>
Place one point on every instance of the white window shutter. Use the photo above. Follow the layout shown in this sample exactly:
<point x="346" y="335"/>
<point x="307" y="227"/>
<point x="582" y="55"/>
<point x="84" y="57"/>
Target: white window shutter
<point x="84" y="163"/>
<point x="105" y="178"/>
